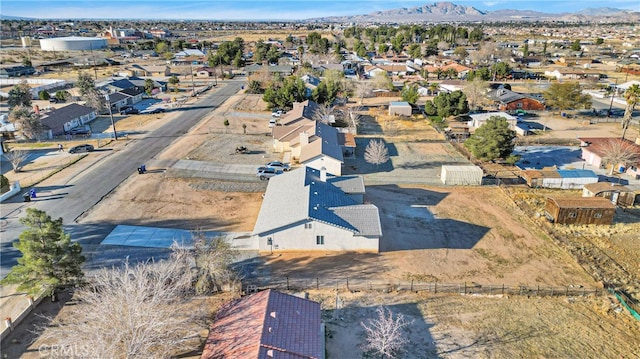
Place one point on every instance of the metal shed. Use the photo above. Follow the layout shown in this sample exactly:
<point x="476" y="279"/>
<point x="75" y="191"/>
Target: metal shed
<point x="580" y="210"/>
<point x="399" y="108"/>
<point x="461" y="175"/>
<point x="562" y="179"/>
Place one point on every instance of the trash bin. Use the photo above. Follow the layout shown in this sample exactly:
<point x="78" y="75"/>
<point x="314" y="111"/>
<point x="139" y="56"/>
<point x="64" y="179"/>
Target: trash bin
<point x="27" y="197"/>
<point x="143" y="168"/>
<point x="32" y="192"/>
<point x="140" y="170"/>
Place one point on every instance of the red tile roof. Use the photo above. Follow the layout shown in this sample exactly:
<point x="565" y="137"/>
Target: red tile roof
<point x="267" y="324"/>
<point x="601" y="145"/>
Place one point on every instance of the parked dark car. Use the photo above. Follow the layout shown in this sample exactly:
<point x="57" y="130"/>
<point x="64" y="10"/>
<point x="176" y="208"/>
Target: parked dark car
<point x="79" y="131"/>
<point x="157" y="110"/>
<point x="81" y="148"/>
<point x="130" y="111"/>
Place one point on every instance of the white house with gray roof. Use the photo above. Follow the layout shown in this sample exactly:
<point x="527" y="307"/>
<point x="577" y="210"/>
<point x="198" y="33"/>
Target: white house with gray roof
<point x="306" y="209"/>
<point x="322" y="149"/>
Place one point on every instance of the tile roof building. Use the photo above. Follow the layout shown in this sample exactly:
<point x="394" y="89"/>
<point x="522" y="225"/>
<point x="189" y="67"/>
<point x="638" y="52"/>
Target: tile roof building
<point x="305" y="209"/>
<point x="267" y="324"/>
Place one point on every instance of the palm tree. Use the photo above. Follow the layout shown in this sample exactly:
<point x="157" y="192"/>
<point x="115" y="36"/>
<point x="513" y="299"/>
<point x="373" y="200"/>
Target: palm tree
<point x="631" y="95"/>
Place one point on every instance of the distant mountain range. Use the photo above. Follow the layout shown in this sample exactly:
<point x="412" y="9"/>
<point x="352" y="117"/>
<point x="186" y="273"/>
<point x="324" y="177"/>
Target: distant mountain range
<point x="450" y="12"/>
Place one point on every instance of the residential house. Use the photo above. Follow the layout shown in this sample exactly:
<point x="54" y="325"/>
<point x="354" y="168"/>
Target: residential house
<point x="374" y="70"/>
<point x="569" y="74"/>
<point x="150" y="71"/>
<point x="205" y="71"/>
<point x="59" y="121"/>
<point x="283" y="70"/>
<point x="301" y="111"/>
<point x="307" y="209"/>
<point x="508" y="100"/>
<point x="321" y="149"/>
<point x="618" y="195"/>
<point x="580" y="210"/>
<point x="449" y="86"/>
<point x="310" y="82"/>
<point x="16" y="71"/>
<point x="479" y="119"/>
<point x="267" y="324"/>
<point x="595" y="150"/>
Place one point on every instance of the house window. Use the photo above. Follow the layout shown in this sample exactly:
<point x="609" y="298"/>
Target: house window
<point x="307" y="226"/>
<point x="597" y="215"/>
<point x="319" y="240"/>
<point x="573" y="215"/>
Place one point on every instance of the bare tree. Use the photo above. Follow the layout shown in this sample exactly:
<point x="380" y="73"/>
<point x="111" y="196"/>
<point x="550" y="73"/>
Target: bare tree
<point x="476" y="91"/>
<point x="28" y="122"/>
<point x="363" y="89"/>
<point x="385" y="335"/>
<point x="376" y="153"/>
<point x="16" y="157"/>
<point x="213" y="258"/>
<point x="324" y="113"/>
<point x="619" y="152"/>
<point x="354" y="115"/>
<point x="133" y="312"/>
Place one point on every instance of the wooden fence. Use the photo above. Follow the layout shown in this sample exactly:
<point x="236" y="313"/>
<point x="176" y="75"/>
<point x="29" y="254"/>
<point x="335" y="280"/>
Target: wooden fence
<point x="362" y="285"/>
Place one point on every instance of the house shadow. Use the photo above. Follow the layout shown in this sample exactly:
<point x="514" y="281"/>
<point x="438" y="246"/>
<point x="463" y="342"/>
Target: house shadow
<point x="359" y="165"/>
<point x="369" y="125"/>
<point x="346" y="334"/>
<point x="409" y="222"/>
<point x="533" y="125"/>
<point x="539" y="157"/>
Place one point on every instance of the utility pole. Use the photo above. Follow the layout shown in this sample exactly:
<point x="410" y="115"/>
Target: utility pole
<point x="615" y="88"/>
<point x="113" y="124"/>
<point x="193" y="86"/>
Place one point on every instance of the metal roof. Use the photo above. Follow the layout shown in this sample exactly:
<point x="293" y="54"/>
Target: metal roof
<point x="577" y="174"/>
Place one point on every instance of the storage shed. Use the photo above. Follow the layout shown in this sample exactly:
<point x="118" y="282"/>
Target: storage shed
<point x="461" y="175"/>
<point x="573" y="210"/>
<point x="562" y="179"/>
<point x="617" y="194"/>
<point x="399" y="108"/>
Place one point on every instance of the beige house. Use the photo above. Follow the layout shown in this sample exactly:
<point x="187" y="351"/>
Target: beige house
<point x="307" y="209"/>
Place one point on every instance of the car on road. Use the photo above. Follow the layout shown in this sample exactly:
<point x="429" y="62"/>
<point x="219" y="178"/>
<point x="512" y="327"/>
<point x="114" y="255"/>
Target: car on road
<point x="273" y="122"/>
<point x="279" y="166"/>
<point x="157" y="110"/>
<point x="264" y="173"/>
<point x="276" y="113"/>
<point x="81" y="148"/>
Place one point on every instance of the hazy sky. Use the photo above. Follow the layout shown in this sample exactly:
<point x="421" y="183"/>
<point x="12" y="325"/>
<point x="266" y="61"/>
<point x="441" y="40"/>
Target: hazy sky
<point x="264" y="10"/>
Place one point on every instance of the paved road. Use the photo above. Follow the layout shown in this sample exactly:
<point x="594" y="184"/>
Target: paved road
<point x="83" y="190"/>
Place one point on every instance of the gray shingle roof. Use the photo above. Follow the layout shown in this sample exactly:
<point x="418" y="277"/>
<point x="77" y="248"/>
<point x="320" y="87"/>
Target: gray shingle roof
<point x="56" y="119"/>
<point x="325" y="143"/>
<point x="348" y="184"/>
<point x="300" y="195"/>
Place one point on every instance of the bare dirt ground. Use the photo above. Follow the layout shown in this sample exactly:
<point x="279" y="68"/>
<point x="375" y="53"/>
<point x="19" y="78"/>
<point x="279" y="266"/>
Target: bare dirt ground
<point x="445" y="326"/>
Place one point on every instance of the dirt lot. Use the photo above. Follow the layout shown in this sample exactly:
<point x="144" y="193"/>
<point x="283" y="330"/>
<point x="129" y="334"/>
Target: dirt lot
<point x="430" y="233"/>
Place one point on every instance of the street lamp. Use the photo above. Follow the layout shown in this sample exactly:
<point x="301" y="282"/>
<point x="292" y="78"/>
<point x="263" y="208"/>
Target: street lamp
<point x="193" y="86"/>
<point x="113" y="125"/>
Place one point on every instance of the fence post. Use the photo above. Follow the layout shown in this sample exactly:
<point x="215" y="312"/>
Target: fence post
<point x="552" y="291"/>
<point x="317" y="283"/>
<point x="583" y="290"/>
<point x="348" y="285"/>
<point x="412" y="285"/>
<point x="538" y="291"/>
<point x="287" y="282"/>
<point x="436" y="287"/>
<point x="502" y="288"/>
<point x="465" y="287"/>
<point x="521" y="290"/>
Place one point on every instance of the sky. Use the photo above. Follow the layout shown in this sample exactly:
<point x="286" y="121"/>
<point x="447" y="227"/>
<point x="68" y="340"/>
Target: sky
<point x="265" y="9"/>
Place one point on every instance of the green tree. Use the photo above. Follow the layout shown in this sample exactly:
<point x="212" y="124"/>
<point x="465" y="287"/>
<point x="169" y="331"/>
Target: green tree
<point x="20" y="95"/>
<point x="148" y="86"/>
<point x="174" y="80"/>
<point x="599" y="41"/>
<point x="575" y="46"/>
<point x="414" y="51"/>
<point x="492" y="140"/>
<point x="566" y="95"/>
<point x="501" y="70"/>
<point x="4" y="184"/>
<point x="410" y="94"/>
<point x="631" y="95"/>
<point x="49" y="259"/>
<point x="62" y="95"/>
<point x="448" y="104"/>
<point x="283" y="95"/>
<point x="26" y="61"/>
<point x="525" y="49"/>
<point x="44" y="95"/>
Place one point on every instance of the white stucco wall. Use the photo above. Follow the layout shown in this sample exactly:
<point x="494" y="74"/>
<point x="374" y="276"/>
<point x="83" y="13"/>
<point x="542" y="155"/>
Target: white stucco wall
<point x="299" y="238"/>
<point x="333" y="166"/>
